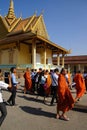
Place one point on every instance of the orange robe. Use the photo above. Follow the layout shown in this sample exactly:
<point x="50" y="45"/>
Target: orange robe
<point x="48" y="82"/>
<point x="28" y="81"/>
<point x="65" y="99"/>
<point x="69" y="78"/>
<point x="80" y="85"/>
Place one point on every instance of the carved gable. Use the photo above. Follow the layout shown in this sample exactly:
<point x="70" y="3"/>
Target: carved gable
<point x="3" y="30"/>
<point x="40" y="28"/>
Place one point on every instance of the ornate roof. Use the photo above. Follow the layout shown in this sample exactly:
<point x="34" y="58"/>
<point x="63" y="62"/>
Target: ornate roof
<point x="13" y="28"/>
<point x="14" y="25"/>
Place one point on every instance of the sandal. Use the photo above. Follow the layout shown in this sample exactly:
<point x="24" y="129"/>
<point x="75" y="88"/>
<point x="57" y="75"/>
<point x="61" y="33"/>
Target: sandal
<point x="64" y="118"/>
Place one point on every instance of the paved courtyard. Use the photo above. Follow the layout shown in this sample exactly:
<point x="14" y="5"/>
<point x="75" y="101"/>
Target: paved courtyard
<point x="32" y="114"/>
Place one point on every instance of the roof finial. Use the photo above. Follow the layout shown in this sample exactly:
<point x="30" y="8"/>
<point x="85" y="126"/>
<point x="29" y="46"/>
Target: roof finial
<point x="35" y="13"/>
<point x="42" y="12"/>
<point x="11" y="10"/>
<point x="21" y="14"/>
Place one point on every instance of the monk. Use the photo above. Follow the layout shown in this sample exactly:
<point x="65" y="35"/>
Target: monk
<point x="65" y="99"/>
<point x="28" y="80"/>
<point x="48" y="84"/>
<point x="80" y="85"/>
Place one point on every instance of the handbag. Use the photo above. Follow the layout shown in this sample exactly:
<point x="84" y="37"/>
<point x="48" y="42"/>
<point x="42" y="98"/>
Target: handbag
<point x="45" y="86"/>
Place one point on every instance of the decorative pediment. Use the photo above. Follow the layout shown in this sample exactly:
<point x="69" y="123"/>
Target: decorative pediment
<point x="40" y="27"/>
<point x="10" y="21"/>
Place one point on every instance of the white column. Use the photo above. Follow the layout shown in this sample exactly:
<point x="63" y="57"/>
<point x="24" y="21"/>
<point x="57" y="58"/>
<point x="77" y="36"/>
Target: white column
<point x="45" y="57"/>
<point x="33" y="54"/>
<point x="62" y="60"/>
<point x="79" y="67"/>
<point x="58" y="60"/>
<point x="68" y="67"/>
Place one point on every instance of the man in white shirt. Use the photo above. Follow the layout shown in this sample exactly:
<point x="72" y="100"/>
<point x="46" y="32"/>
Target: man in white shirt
<point x="11" y="100"/>
<point x="54" y="85"/>
<point x="2" y="104"/>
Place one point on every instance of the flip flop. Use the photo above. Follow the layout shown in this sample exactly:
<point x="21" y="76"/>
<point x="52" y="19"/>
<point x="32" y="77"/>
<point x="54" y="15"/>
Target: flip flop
<point x="64" y="118"/>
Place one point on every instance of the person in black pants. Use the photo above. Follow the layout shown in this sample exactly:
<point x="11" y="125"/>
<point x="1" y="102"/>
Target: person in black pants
<point x="3" y="112"/>
<point x="11" y="100"/>
<point x="54" y="77"/>
<point x="12" y="79"/>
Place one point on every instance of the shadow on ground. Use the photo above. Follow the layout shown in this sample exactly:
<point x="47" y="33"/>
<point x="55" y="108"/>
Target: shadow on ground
<point x="37" y="111"/>
<point x="31" y="99"/>
<point x="80" y="108"/>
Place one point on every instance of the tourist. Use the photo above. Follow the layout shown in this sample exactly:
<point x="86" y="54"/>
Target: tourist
<point x="54" y="86"/>
<point x="38" y="79"/>
<point x="33" y="77"/>
<point x="85" y="77"/>
<point x="12" y="79"/>
<point x="41" y="90"/>
<point x="86" y="83"/>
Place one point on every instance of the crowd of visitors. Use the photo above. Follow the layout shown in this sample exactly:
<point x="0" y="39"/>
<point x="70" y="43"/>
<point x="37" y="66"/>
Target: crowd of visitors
<point x="59" y="86"/>
<point x="54" y="83"/>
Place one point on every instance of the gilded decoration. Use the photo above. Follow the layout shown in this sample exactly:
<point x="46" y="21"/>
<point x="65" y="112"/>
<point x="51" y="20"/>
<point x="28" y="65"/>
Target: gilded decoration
<point x="19" y="34"/>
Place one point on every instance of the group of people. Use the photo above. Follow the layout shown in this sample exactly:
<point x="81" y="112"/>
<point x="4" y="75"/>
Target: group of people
<point x="45" y="83"/>
<point x="58" y="85"/>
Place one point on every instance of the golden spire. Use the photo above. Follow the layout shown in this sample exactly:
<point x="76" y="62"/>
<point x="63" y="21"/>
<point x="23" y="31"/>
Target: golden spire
<point x="11" y="14"/>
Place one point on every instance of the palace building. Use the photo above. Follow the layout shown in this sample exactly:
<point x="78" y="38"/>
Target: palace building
<point x="74" y="63"/>
<point x="25" y="42"/>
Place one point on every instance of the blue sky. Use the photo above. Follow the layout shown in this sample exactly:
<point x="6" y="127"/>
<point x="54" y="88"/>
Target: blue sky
<point x="65" y="20"/>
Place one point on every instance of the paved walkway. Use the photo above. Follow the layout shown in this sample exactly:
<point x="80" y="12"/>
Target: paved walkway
<point x="32" y="114"/>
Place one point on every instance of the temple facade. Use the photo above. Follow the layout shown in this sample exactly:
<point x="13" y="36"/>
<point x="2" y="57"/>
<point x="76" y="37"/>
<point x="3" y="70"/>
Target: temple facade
<point x="25" y="42"/>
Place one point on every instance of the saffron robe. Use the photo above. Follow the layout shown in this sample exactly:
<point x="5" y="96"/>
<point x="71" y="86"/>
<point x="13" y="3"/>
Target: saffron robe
<point x="28" y="81"/>
<point x="65" y="99"/>
<point x="80" y="85"/>
<point x="48" y="82"/>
